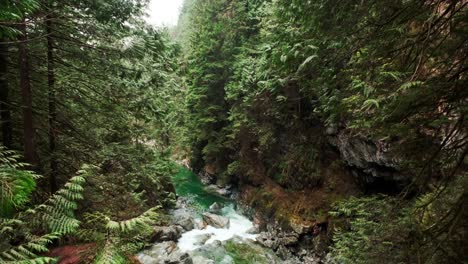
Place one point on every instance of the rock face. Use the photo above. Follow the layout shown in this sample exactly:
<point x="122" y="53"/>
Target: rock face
<point x="300" y="243"/>
<point x="370" y="162"/>
<point x="208" y="175"/>
<point x="216" y="220"/>
<point x="274" y="240"/>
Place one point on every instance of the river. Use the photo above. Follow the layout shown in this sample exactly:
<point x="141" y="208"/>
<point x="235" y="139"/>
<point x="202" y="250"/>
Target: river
<point x="234" y="244"/>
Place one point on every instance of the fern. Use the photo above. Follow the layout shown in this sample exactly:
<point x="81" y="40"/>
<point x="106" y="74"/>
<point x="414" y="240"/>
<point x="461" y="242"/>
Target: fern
<point x="16" y="185"/>
<point x="134" y="224"/>
<point x="110" y="254"/>
<point x="28" y="251"/>
<point x="53" y="219"/>
<point x="56" y="214"/>
<point x="117" y="238"/>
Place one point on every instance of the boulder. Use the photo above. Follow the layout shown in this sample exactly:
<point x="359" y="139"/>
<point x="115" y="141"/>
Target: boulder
<point x="186" y="224"/>
<point x="220" y="190"/>
<point x="158" y="252"/>
<point x="227" y="260"/>
<point x="201" y="224"/>
<point x="166" y="233"/>
<point x="183" y="216"/>
<point x="164" y="253"/>
<point x="215" y="208"/>
<point x="202" y="238"/>
<point x="216" y="221"/>
<point x="253" y="230"/>
<point x="178" y="258"/>
<point x="202" y="260"/>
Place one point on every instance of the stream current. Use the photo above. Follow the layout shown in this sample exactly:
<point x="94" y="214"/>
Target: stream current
<point x="230" y="245"/>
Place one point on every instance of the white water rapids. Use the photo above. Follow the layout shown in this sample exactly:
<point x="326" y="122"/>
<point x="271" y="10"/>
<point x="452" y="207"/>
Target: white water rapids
<point x="239" y="226"/>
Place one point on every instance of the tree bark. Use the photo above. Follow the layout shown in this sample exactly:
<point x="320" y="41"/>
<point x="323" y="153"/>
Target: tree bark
<point x="26" y="93"/>
<point x="52" y="106"/>
<point x="5" y="112"/>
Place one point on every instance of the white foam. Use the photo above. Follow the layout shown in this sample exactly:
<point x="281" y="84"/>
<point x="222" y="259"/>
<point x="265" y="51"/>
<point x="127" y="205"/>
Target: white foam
<point x="239" y="225"/>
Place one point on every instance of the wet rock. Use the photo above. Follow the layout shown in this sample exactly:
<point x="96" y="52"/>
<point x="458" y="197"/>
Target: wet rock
<point x="216" y="221"/>
<point x="227" y="260"/>
<point x="208" y="175"/>
<point x="202" y="238"/>
<point x="201" y="224"/>
<point x="178" y="258"/>
<point x="215" y="208"/>
<point x="212" y="251"/>
<point x="222" y="252"/>
<point x="253" y="230"/>
<point x="166" y="233"/>
<point x="186" y="223"/>
<point x="183" y="217"/>
<point x="164" y="253"/>
<point x="222" y="191"/>
<point x="202" y="260"/>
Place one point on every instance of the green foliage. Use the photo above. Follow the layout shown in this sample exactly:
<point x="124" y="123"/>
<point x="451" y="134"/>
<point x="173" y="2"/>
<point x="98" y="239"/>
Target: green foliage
<point x="57" y="213"/>
<point x="372" y="226"/>
<point x="244" y="253"/>
<point x="117" y="240"/>
<point x="13" y="10"/>
<point x="382" y="227"/>
<point x="38" y="226"/>
<point x="106" y="91"/>
<point x="16" y="184"/>
<point x="270" y="81"/>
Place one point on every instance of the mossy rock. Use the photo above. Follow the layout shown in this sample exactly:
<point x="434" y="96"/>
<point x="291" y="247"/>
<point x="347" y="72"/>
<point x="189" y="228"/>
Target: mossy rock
<point x="245" y="253"/>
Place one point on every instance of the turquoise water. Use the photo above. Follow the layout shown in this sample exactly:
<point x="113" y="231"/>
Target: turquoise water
<point x="188" y="185"/>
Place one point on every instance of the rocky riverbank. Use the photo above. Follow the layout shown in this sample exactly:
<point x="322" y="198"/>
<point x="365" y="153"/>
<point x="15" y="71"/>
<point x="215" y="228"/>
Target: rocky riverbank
<point x="219" y="235"/>
<point x="225" y="232"/>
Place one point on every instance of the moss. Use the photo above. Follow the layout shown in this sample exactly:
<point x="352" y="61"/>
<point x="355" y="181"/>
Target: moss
<point x="244" y="254"/>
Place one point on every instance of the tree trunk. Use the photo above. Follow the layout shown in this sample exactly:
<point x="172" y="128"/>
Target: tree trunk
<point x="52" y="106"/>
<point x="5" y="113"/>
<point x="26" y="93"/>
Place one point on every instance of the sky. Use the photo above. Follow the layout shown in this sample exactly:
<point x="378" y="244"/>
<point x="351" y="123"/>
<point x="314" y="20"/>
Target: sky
<point x="164" y="12"/>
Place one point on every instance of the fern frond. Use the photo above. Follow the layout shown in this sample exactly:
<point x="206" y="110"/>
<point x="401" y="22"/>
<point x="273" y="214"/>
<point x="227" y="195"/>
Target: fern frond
<point x="134" y="224"/>
<point x="38" y="260"/>
<point x="110" y="254"/>
<point x="56" y="216"/>
<point x="16" y="186"/>
<point x="57" y="212"/>
<point x="29" y="250"/>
